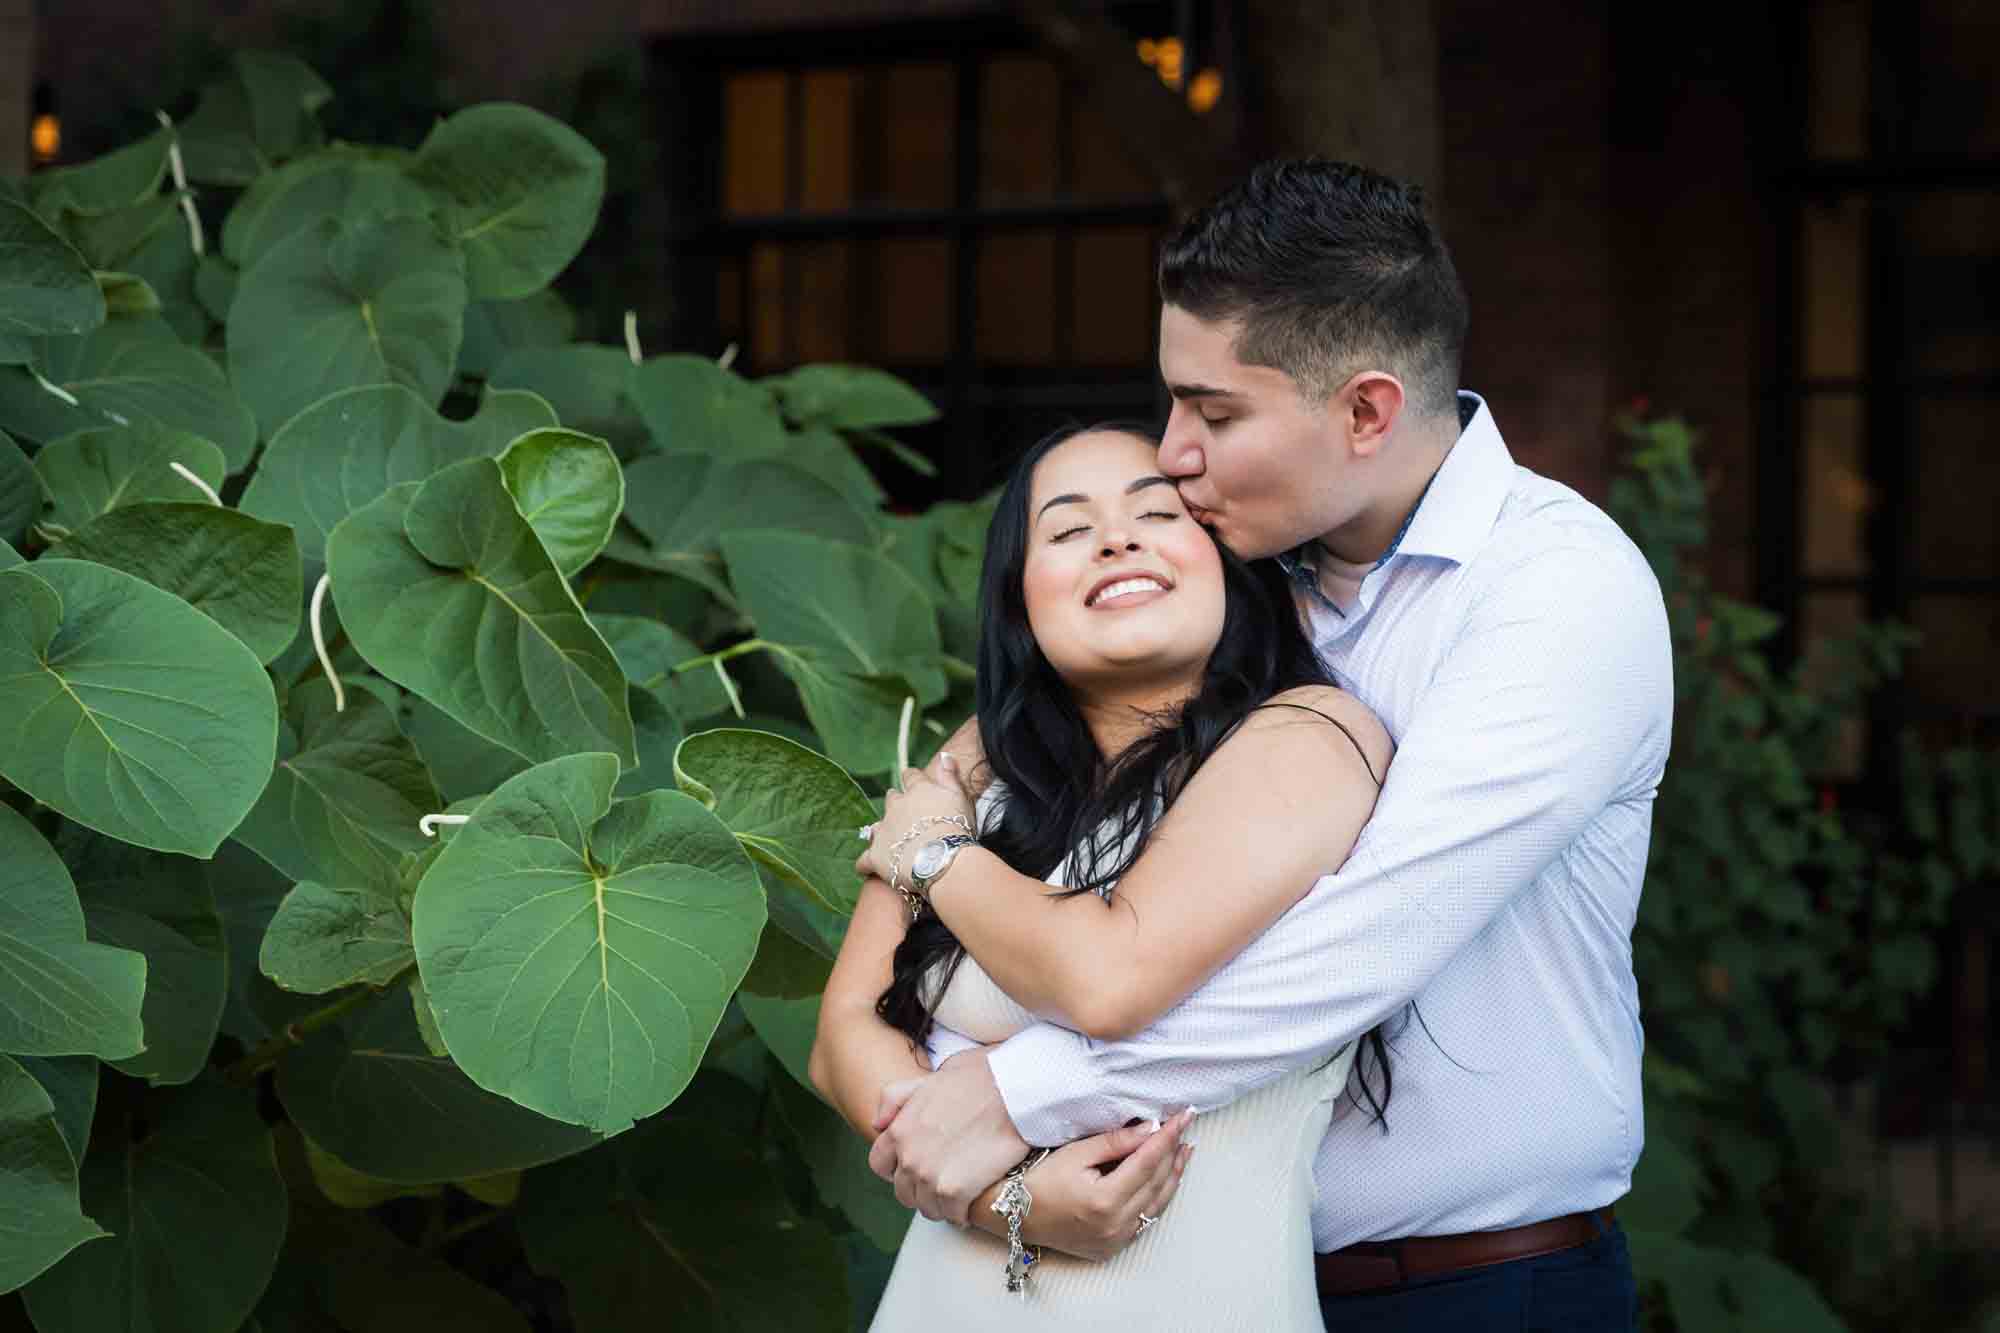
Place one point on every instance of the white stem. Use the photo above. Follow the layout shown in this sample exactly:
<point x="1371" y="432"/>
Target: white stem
<point x="197" y="482"/>
<point x="319" y="646"/>
<point x="729" y="688"/>
<point x="903" y="736"/>
<point x="174" y="163"/>
<point x="632" y="336"/>
<point x="728" y="357"/>
<point x="55" y="389"/>
<point x="428" y="825"/>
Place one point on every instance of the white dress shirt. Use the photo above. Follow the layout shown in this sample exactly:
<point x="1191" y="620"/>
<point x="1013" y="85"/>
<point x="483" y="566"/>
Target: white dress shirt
<point x="1515" y="645"/>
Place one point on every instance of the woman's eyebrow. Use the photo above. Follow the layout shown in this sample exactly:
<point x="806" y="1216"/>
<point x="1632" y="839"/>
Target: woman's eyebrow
<point x="1076" y="498"/>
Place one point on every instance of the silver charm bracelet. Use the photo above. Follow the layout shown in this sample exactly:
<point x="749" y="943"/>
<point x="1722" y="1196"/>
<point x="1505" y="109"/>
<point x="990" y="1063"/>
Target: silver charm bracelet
<point x="1013" y="1203"/>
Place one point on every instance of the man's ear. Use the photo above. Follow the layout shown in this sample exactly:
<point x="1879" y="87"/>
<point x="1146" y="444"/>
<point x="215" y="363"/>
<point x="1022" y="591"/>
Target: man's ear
<point x="1370" y="404"/>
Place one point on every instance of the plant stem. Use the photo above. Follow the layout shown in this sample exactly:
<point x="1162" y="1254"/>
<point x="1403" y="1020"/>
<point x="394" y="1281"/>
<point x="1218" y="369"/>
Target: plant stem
<point x="267" y="1052"/>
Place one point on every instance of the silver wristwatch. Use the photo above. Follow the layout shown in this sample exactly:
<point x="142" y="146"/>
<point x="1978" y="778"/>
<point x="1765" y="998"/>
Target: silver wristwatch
<point x="934" y="858"/>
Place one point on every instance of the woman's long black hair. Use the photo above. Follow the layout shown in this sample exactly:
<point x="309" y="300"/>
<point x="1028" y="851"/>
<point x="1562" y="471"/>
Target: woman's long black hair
<point x="1063" y="795"/>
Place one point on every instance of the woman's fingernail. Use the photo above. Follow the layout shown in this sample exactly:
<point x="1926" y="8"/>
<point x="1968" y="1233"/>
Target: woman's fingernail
<point x="1151" y="1127"/>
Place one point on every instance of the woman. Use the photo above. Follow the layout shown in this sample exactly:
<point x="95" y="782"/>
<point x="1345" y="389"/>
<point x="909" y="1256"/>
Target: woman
<point x="1170" y="753"/>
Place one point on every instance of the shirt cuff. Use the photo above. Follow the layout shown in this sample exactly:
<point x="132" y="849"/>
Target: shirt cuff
<point x="1047" y="1078"/>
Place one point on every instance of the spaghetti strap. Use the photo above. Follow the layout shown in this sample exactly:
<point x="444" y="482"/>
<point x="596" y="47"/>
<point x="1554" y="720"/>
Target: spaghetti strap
<point x="1284" y="703"/>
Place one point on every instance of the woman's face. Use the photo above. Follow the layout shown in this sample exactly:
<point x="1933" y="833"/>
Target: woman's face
<point x="1123" y="589"/>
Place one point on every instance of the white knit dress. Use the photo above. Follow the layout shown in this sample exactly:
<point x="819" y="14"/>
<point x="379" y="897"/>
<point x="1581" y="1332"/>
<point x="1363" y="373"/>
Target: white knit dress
<point x="1233" y="1251"/>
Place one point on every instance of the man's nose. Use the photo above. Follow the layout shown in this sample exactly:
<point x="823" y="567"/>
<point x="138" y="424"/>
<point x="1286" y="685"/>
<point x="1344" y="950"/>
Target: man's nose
<point x="1180" y="451"/>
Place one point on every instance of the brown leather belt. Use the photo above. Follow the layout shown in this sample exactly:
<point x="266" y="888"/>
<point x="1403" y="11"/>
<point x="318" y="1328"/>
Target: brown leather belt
<point x="1372" y="1265"/>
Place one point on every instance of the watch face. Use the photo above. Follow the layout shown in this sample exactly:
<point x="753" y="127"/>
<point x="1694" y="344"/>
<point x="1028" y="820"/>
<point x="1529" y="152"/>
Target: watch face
<point x="929" y="859"/>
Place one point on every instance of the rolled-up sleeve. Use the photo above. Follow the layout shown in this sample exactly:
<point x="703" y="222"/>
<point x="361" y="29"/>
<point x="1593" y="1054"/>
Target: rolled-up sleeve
<point x="1553" y="699"/>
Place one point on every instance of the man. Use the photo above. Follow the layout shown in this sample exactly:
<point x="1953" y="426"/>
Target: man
<point x="1514" y="643"/>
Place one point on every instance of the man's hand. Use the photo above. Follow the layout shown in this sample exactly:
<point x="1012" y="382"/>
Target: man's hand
<point x="946" y="1139"/>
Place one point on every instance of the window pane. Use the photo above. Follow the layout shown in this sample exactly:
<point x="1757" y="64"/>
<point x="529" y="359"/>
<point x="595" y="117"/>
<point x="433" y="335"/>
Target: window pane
<point x="1953" y="664"/>
<point x="1822" y="616"/>
<point x="826" y="300"/>
<point x="1105" y="169"/>
<point x="767" y="306"/>
<point x="916" y="300"/>
<point x="753" y="143"/>
<point x="1958" y="50"/>
<point x="1958" y="489"/>
<point x="1020" y="100"/>
<point x="1112" y="295"/>
<point x="918" y="136"/>
<point x="1835" y="486"/>
<point x="1832" y="249"/>
<point x="829" y="140"/>
<point x="1953" y="289"/>
<point x="1017" y="298"/>
<point x="1837" y="79"/>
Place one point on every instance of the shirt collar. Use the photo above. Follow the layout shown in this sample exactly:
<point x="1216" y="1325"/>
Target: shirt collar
<point x="1464" y="498"/>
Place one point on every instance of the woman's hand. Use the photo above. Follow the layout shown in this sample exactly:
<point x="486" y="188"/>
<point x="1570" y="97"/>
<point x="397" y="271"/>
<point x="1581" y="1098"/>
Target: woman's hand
<point x="924" y="795"/>
<point x="1082" y="1210"/>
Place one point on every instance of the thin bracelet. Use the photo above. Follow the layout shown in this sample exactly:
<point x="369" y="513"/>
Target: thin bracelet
<point x="1013" y="1203"/>
<point x="896" y="852"/>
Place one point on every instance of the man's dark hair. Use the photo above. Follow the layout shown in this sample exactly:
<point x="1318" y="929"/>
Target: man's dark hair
<point x="1332" y="269"/>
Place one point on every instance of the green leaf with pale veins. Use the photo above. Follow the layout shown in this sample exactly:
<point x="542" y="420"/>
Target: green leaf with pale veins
<point x="196" y="1210"/>
<point x="335" y="307"/>
<point x="242" y="573"/>
<point x="96" y="471"/>
<point x="524" y="190"/>
<point x="21" y="493"/>
<point x="444" y="588"/>
<point x="129" y="371"/>
<point x="657" y="733"/>
<point x="118" y="179"/>
<point x="128" y="710"/>
<point x="71" y="1083"/>
<point x="679" y="1225"/>
<point x="463" y="762"/>
<point x="349" y="447"/>
<point x="46" y="287"/>
<point x="648" y="651"/>
<point x="682" y="504"/>
<point x="161" y="907"/>
<point x="496" y="329"/>
<point x="369" y="1091"/>
<point x="349" y="185"/>
<point x="579" y="951"/>
<point x="584" y="382"/>
<point x="325" y="938"/>
<point x="40" y="1218"/>
<point x="343" y="802"/>
<point x="795" y="811"/>
<point x="570" y="489"/>
<point x="60" y="994"/>
<point x="849" y="398"/>
<point x="692" y="405"/>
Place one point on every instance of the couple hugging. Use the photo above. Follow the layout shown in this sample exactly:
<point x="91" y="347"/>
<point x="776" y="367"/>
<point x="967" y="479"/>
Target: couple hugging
<point x="1259" y="957"/>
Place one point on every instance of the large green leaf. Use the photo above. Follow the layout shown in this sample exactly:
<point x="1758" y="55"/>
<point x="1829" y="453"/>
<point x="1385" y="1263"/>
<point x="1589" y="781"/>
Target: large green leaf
<point x="463" y="762"/>
<point x="284" y="95"/>
<point x="679" y="1225"/>
<point x="343" y="802"/>
<point x="107" y="240"/>
<point x="158" y="906"/>
<point x="247" y="893"/>
<point x="578" y="951"/>
<point x="351" y="186"/>
<point x="524" y="191"/>
<point x="648" y="651"/>
<point x="71" y="1083"/>
<point x="128" y="710"/>
<point x="46" y="288"/>
<point x="104" y="184"/>
<point x="196" y="1210"/>
<point x="795" y="811"/>
<point x="369" y="1091"/>
<point x="584" y="382"/>
<point x="692" y="405"/>
<point x="60" y="994"/>
<point x="657" y="731"/>
<point x="787" y="1026"/>
<point x="349" y="447"/>
<point x="838" y="1158"/>
<point x="445" y="589"/>
<point x="494" y="330"/>
<point x="334" y="307"/>
<point x="570" y="489"/>
<point x="128" y="371"/>
<point x="95" y="471"/>
<point x="683" y="503"/>
<point x="849" y="398"/>
<point x="324" y="938"/>
<point x="21" y="494"/>
<point x="242" y="573"/>
<point x="41" y="1220"/>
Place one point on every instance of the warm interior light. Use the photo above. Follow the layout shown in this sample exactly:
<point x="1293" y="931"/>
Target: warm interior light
<point x="45" y="138"/>
<point x="1169" y="66"/>
<point x="1149" y="51"/>
<point x="1205" y="91"/>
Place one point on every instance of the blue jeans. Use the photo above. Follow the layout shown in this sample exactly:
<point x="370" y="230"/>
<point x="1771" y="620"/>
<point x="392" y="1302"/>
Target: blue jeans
<point x="1588" y="1289"/>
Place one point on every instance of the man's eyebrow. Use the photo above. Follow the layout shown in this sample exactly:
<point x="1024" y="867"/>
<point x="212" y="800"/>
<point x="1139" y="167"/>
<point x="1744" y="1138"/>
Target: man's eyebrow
<point x="1187" y="392"/>
<point x="1074" y="498"/>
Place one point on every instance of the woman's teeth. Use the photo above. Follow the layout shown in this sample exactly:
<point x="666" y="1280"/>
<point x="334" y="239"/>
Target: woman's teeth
<point x="1124" y="588"/>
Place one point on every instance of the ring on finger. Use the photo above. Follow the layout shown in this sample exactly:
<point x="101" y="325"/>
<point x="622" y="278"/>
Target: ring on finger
<point x="1144" y="1223"/>
<point x="866" y="832"/>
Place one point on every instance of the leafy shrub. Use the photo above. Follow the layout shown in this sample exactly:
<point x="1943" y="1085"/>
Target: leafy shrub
<point x="274" y="1043"/>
